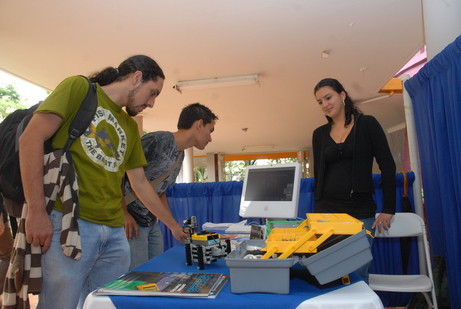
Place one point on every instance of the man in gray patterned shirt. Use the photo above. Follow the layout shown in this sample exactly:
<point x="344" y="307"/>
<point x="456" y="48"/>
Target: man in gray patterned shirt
<point x="164" y="153"/>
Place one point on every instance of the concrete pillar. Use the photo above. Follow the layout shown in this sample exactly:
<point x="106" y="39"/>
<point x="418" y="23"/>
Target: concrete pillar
<point x="188" y="166"/>
<point x="442" y="24"/>
<point x="215" y="166"/>
<point x="301" y="158"/>
<point x="221" y="167"/>
<point x="211" y="167"/>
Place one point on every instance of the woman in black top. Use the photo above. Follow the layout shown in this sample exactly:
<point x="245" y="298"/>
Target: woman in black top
<point x="344" y="150"/>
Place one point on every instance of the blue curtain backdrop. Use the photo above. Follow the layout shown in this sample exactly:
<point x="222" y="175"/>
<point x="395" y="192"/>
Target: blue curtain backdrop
<point x="436" y="94"/>
<point x="218" y="202"/>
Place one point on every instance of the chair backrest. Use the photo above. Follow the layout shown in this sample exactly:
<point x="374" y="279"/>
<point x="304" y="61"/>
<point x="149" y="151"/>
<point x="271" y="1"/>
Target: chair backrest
<point x="404" y="224"/>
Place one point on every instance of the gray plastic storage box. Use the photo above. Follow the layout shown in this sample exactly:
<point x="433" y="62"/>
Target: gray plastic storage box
<point x="258" y="275"/>
<point x="340" y="259"/>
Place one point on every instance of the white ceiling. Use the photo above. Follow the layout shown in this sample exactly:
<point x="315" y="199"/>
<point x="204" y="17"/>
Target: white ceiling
<point x="281" y="40"/>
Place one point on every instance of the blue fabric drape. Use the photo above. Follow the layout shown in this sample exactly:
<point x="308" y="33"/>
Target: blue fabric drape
<point x="215" y="202"/>
<point x="219" y="202"/>
<point x="436" y="94"/>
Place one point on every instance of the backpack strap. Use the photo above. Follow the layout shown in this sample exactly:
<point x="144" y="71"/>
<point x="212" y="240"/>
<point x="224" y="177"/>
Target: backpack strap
<point x="84" y="114"/>
<point x="131" y="197"/>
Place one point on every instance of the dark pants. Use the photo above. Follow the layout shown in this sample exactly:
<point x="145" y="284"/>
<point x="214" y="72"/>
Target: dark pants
<point x="6" y="246"/>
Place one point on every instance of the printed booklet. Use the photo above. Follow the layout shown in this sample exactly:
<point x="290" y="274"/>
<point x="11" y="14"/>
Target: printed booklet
<point x="177" y="284"/>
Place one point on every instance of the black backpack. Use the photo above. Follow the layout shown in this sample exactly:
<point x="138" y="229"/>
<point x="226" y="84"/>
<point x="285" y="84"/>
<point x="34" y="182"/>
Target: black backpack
<point x="10" y="130"/>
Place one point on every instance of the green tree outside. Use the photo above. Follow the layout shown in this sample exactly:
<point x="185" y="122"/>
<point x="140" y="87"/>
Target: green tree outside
<point x="200" y="174"/>
<point x="10" y="100"/>
<point x="235" y="170"/>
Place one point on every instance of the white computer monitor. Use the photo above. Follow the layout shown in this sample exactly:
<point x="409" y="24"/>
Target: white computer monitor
<point x="271" y="191"/>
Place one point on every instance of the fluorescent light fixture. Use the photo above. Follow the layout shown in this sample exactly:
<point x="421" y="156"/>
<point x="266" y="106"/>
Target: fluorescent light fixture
<point x="216" y="82"/>
<point x="257" y="147"/>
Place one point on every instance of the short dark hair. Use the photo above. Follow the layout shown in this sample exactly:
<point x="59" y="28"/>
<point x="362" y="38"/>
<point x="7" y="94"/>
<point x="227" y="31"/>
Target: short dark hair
<point x="193" y="112"/>
<point x="350" y="108"/>
<point x="149" y="68"/>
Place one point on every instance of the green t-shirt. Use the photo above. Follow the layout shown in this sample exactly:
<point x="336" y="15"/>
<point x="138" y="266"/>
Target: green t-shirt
<point x="110" y="146"/>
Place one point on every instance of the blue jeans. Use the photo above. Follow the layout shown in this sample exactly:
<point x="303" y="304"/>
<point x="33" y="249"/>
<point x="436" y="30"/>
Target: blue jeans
<point x="147" y="245"/>
<point x="67" y="282"/>
<point x="367" y="224"/>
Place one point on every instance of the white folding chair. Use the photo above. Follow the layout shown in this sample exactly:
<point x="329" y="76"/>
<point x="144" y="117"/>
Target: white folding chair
<point x="407" y="225"/>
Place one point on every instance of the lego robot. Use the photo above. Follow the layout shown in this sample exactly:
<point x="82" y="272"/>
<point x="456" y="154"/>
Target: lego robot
<point x="204" y="247"/>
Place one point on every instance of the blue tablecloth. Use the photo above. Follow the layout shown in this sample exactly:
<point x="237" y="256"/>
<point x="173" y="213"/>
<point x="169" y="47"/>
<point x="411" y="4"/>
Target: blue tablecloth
<point x="174" y="260"/>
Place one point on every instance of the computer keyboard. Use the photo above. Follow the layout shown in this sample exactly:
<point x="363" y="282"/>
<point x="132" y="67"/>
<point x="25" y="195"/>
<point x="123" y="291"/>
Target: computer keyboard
<point x="238" y="229"/>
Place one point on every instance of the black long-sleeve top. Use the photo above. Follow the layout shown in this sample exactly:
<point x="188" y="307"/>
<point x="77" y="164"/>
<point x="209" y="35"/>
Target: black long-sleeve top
<point x="369" y="142"/>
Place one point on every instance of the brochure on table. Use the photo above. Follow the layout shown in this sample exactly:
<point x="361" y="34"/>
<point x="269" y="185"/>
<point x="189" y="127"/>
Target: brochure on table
<point x="176" y="284"/>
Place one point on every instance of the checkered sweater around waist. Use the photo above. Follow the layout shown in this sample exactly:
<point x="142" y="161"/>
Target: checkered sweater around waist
<point x="24" y="274"/>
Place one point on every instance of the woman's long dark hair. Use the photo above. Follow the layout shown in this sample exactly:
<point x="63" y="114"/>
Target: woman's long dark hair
<point x="149" y="68"/>
<point x="349" y="105"/>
